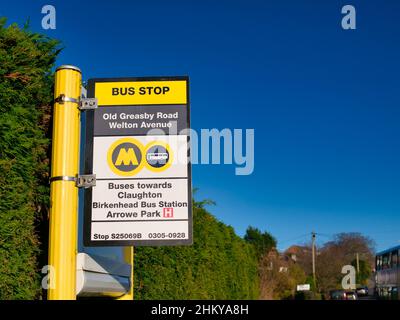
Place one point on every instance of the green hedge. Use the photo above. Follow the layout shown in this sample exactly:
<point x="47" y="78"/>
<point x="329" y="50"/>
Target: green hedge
<point x="25" y="98"/>
<point x="219" y="265"/>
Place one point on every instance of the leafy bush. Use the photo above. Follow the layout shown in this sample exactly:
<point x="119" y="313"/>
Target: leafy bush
<point x="262" y="241"/>
<point x="219" y="265"/>
<point x="26" y="60"/>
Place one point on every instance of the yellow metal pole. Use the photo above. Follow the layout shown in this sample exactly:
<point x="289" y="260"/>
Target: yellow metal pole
<point x="63" y="239"/>
<point x="129" y="258"/>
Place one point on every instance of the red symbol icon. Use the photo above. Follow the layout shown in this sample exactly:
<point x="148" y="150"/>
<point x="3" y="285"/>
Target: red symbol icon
<point x="168" y="212"/>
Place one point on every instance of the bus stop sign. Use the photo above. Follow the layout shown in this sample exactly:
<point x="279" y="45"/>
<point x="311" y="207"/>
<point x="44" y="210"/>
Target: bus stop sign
<point x="137" y="145"/>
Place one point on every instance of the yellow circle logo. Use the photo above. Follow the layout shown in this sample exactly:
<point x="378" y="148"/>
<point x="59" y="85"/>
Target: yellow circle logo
<point x="125" y="157"/>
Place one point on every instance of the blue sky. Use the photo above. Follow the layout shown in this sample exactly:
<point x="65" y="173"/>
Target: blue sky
<point x="324" y="102"/>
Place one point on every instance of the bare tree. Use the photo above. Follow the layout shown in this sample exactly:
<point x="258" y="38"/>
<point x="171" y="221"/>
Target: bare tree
<point x="341" y="251"/>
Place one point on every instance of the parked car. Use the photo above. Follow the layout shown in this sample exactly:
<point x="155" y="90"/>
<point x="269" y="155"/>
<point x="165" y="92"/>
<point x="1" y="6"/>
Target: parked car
<point x="351" y="295"/>
<point x="342" y="295"/>
<point x="362" y="291"/>
<point x="337" y="295"/>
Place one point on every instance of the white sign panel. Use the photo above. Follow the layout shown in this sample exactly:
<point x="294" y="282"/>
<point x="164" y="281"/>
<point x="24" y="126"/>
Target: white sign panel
<point x="303" y="287"/>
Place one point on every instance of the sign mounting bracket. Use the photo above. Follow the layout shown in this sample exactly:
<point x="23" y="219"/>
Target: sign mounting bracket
<point x="88" y="104"/>
<point x="85" y="180"/>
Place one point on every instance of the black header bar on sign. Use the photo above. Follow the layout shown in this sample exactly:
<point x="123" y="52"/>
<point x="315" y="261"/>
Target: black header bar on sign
<point x="139" y="120"/>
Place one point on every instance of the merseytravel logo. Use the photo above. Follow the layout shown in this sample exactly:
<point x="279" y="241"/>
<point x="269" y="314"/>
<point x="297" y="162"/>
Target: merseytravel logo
<point x="127" y="156"/>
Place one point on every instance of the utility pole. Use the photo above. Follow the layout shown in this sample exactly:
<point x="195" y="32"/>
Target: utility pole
<point x="358" y="265"/>
<point x="358" y="262"/>
<point x="313" y="256"/>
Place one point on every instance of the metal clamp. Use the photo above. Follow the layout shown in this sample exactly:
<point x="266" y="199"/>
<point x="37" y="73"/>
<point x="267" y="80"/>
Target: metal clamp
<point x="86" y="181"/>
<point x="83" y="103"/>
<point x="61" y="99"/>
<point x="88" y="104"/>
<point x="62" y="178"/>
<point x="81" y="181"/>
